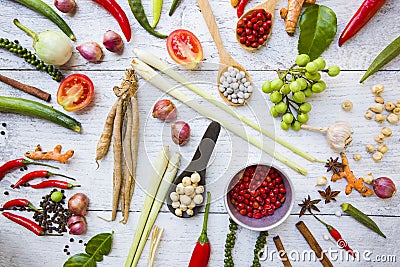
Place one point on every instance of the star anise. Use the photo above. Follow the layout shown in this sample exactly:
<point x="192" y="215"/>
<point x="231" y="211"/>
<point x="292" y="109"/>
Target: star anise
<point x="334" y="165"/>
<point x="308" y="205"/>
<point x="328" y="194"/>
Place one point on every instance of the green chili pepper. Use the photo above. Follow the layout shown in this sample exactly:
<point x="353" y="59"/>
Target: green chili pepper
<point x="140" y="15"/>
<point x="385" y="56"/>
<point x="44" y="9"/>
<point x="38" y="110"/>
<point x="173" y="7"/>
<point x="157" y="7"/>
<point x="361" y="218"/>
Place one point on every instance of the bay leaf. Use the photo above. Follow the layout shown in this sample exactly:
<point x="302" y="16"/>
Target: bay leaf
<point x="318" y="26"/>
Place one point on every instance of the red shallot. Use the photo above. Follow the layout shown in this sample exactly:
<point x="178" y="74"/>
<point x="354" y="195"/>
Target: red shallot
<point x="78" y="204"/>
<point x="90" y="51"/>
<point x="113" y="42"/>
<point x="180" y="132"/>
<point x="65" y="6"/>
<point x="77" y="225"/>
<point x="384" y="187"/>
<point x="164" y="110"/>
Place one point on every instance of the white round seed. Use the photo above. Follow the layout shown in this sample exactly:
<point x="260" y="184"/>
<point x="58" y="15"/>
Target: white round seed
<point x="229" y="97"/>
<point x="229" y="90"/>
<point x="225" y="84"/>
<point x="250" y="89"/>
<point x="242" y="73"/>
<point x="226" y="74"/>
<point x="243" y="80"/>
<point x="229" y="79"/>
<point x="246" y="95"/>
<point x="240" y="95"/>
<point x="226" y="93"/>
<point x="238" y="76"/>
<point x="230" y="69"/>
<point x="222" y="89"/>
<point x="240" y="100"/>
<point x="234" y="101"/>
<point x="222" y="79"/>
<point x="241" y="87"/>
<point x="234" y="85"/>
<point x="247" y="84"/>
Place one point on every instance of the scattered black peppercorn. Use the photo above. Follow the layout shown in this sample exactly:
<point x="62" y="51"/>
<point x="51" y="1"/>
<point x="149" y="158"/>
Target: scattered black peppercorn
<point x="3" y="133"/>
<point x="80" y="241"/>
<point x="71" y="240"/>
<point x="6" y="193"/>
<point x="4" y="124"/>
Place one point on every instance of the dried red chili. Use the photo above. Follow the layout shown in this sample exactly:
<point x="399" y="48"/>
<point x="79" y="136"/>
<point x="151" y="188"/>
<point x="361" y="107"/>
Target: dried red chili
<point x="19" y="202"/>
<point x="54" y="183"/>
<point x="241" y="6"/>
<point x="18" y="163"/>
<point x="118" y="13"/>
<point x="364" y="13"/>
<point x="202" y="250"/>
<point x="37" y="174"/>
<point x="25" y="222"/>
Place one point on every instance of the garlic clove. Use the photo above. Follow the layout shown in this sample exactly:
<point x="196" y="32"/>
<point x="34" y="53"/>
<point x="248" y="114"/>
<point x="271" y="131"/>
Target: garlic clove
<point x="322" y="180"/>
<point x="369" y="178"/>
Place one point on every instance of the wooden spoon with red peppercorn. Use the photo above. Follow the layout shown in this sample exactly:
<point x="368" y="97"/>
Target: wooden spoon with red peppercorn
<point x="225" y="60"/>
<point x="253" y="29"/>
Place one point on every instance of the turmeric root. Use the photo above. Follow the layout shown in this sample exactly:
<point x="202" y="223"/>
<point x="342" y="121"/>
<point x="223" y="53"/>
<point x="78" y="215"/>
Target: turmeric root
<point x="292" y="13"/>
<point x="56" y="154"/>
<point x="353" y="181"/>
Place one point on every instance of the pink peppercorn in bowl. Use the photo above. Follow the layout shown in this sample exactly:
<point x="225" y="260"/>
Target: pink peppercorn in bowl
<point x="259" y="197"/>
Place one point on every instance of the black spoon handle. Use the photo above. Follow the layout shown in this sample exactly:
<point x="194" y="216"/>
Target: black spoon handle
<point x="205" y="148"/>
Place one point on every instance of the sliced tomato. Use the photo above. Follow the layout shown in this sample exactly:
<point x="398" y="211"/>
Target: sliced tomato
<point x="75" y="92"/>
<point x="184" y="48"/>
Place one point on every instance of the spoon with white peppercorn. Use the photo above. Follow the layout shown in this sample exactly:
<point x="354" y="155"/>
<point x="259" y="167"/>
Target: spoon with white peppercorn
<point x="187" y="191"/>
<point x="234" y="83"/>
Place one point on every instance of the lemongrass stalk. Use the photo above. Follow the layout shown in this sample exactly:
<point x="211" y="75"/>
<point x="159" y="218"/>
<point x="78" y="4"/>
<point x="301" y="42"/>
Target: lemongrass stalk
<point x="155" y="79"/>
<point x="166" y="68"/>
<point x="160" y="165"/>
<point x="169" y="176"/>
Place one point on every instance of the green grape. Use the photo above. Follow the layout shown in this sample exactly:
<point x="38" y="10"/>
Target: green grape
<point x="302" y="82"/>
<point x="56" y="196"/>
<point x="285" y="89"/>
<point x="302" y="117"/>
<point x="273" y="112"/>
<point x="275" y="97"/>
<point x="333" y="71"/>
<point x="281" y="107"/>
<point x="266" y="87"/>
<point x="318" y="87"/>
<point x="308" y="92"/>
<point x="299" y="97"/>
<point x="313" y="76"/>
<point x="302" y="60"/>
<point x="288" y="118"/>
<point x="295" y="87"/>
<point x="311" y="67"/>
<point x="276" y="84"/>
<point x="296" y="125"/>
<point x="320" y="63"/>
<point x="285" y="126"/>
<point x="305" y="107"/>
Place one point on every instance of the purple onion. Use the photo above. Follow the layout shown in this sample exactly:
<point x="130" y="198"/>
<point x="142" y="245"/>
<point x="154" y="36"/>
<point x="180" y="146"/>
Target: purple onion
<point x="77" y="225"/>
<point x="91" y="51"/>
<point x="112" y="41"/>
<point x="180" y="132"/>
<point x="78" y="204"/>
<point x="65" y="6"/>
<point x="384" y="187"/>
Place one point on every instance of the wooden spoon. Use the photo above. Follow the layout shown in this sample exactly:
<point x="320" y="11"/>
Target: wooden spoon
<point x="198" y="164"/>
<point x="225" y="60"/>
<point x="268" y="6"/>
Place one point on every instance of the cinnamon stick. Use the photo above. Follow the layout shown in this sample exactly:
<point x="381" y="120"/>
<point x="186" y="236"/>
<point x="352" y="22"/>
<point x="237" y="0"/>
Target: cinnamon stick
<point x="301" y="226"/>
<point x="281" y="251"/>
<point x="26" y="88"/>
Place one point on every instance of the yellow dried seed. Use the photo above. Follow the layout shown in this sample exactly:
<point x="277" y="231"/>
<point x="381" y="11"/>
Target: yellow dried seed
<point x="398" y="104"/>
<point x="383" y="148"/>
<point x="386" y="131"/>
<point x="377" y="156"/>
<point x="370" y="148"/>
<point x="379" y="99"/>
<point x="379" y="138"/>
<point x="368" y="115"/>
<point x="396" y="111"/>
<point x="379" y="118"/>
<point x="393" y="118"/>
<point x="347" y="105"/>
<point x="377" y="89"/>
<point x="357" y="157"/>
<point x="389" y="106"/>
<point x="377" y="108"/>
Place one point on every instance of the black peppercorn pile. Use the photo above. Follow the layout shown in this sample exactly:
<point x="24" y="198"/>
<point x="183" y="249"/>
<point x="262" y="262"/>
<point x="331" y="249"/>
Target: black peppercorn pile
<point x="54" y="217"/>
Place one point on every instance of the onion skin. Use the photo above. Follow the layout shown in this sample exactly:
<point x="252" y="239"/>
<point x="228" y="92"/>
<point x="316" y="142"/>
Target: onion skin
<point x="384" y="187"/>
<point x="65" y="6"/>
<point x="180" y="132"/>
<point x="90" y="51"/>
<point x="113" y="42"/>
<point x="78" y="204"/>
<point x="165" y="110"/>
<point x="77" y="225"/>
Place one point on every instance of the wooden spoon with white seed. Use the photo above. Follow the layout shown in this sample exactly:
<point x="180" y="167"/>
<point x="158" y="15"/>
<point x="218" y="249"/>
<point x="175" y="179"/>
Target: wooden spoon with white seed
<point x="225" y="60"/>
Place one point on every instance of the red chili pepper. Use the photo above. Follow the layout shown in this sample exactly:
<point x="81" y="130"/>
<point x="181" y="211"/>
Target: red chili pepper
<point x="240" y="8"/>
<point x="201" y="252"/>
<point x="116" y="11"/>
<point x="25" y="222"/>
<point x="19" y="202"/>
<point x="339" y="240"/>
<point x="54" y="183"/>
<point x="365" y="12"/>
<point x="18" y="163"/>
<point x="37" y="174"/>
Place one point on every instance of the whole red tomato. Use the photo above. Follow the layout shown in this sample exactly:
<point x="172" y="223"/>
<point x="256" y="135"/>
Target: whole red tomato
<point x="75" y="92"/>
<point x="184" y="48"/>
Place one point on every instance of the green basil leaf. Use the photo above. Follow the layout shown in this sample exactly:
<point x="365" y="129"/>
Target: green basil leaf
<point x="80" y="260"/>
<point x="99" y="245"/>
<point x="318" y="25"/>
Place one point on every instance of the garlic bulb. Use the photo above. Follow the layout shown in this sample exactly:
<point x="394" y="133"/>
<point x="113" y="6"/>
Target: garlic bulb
<point x="339" y="134"/>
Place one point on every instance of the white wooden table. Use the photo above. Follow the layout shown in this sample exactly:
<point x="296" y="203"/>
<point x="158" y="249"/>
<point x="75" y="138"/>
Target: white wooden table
<point x="19" y="247"/>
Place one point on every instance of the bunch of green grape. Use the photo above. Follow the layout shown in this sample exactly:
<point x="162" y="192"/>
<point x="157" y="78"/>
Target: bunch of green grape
<point x="289" y="91"/>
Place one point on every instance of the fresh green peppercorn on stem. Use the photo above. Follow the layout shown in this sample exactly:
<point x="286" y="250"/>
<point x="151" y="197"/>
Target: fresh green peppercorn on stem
<point x="38" y="110"/>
